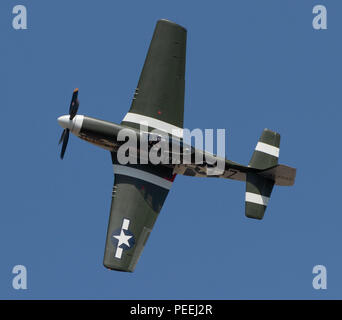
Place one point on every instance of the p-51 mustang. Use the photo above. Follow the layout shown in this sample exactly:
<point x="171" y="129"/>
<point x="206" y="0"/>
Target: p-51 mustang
<point x="140" y="190"/>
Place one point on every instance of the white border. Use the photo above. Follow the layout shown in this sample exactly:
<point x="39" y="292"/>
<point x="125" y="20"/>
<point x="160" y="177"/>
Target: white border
<point x="154" y="123"/>
<point x="256" y="198"/>
<point x="267" y="148"/>
<point x="142" y="175"/>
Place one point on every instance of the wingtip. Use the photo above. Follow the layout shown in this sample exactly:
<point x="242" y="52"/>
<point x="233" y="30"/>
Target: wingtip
<point x="171" y="23"/>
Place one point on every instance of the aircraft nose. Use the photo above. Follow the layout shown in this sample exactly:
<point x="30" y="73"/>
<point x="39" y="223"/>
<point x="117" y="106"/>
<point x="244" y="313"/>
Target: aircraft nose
<point x="73" y="125"/>
<point x="65" y="122"/>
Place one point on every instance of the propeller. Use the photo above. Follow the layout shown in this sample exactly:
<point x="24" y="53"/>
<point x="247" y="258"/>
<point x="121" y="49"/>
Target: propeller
<point x="74" y="104"/>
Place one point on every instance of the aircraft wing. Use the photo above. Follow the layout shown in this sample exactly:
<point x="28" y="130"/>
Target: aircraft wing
<point x="138" y="195"/>
<point x="140" y="190"/>
<point x="159" y="96"/>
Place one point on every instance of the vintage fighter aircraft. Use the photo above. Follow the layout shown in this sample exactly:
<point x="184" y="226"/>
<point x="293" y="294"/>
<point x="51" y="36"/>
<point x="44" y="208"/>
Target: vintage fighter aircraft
<point x="140" y="190"/>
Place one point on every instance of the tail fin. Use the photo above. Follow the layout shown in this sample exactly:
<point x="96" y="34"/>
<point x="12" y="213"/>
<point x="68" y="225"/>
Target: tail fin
<point x="282" y="175"/>
<point x="259" y="187"/>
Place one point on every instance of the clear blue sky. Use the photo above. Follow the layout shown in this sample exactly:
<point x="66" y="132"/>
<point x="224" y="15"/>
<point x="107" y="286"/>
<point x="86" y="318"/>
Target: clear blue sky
<point x="250" y="65"/>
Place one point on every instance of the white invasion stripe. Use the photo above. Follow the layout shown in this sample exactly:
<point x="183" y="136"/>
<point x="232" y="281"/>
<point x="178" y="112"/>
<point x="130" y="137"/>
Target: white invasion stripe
<point x="267" y="148"/>
<point x="118" y="253"/>
<point x="154" y="123"/>
<point x="143" y="175"/>
<point x="125" y="224"/>
<point x="77" y="124"/>
<point x="257" y="198"/>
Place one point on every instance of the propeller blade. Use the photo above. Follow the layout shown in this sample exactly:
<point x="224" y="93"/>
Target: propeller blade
<point x="62" y="137"/>
<point x="65" y="142"/>
<point x="72" y="113"/>
<point x="74" y="104"/>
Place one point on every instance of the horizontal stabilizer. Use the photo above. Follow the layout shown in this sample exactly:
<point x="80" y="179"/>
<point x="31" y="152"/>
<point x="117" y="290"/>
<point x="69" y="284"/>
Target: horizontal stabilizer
<point x="258" y="193"/>
<point x="266" y="152"/>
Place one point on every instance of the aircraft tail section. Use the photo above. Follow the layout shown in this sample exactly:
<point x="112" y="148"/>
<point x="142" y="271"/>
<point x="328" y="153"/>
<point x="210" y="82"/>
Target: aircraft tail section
<point x="261" y="174"/>
<point x="259" y="184"/>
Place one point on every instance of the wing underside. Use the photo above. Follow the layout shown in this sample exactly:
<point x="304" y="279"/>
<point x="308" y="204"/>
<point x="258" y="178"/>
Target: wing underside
<point x="139" y="191"/>
<point x="138" y="195"/>
<point x="159" y="96"/>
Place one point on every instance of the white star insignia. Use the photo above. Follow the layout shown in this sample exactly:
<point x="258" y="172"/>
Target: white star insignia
<point x="123" y="239"/>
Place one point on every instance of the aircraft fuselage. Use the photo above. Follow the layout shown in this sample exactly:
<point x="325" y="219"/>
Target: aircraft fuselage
<point x="105" y="134"/>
